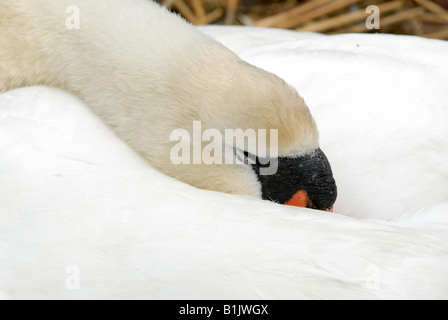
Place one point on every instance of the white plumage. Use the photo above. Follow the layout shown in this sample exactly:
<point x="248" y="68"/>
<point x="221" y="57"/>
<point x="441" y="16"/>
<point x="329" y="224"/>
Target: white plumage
<point x="73" y="195"/>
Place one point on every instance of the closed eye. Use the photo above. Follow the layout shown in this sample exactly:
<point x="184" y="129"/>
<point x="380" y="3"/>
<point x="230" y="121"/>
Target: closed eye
<point x="249" y="158"/>
<point x="245" y="157"/>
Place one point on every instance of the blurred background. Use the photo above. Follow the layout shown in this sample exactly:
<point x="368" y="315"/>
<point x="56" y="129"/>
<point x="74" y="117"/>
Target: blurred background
<point x="426" y="18"/>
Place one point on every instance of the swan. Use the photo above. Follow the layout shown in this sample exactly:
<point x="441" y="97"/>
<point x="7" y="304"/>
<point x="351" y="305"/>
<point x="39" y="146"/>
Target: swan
<point x="146" y="72"/>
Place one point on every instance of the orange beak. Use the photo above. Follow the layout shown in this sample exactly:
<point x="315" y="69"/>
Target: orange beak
<point x="301" y="199"/>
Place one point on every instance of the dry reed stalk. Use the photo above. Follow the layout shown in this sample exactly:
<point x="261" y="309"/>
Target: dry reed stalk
<point x="441" y="34"/>
<point x="416" y="26"/>
<point x="168" y="3"/>
<point x="214" y="15"/>
<point x="245" y="20"/>
<point x="433" y="7"/>
<point x="199" y="11"/>
<point x="232" y="6"/>
<point x="283" y="19"/>
<point x="431" y="18"/>
<point x="324" y="10"/>
<point x="185" y="11"/>
<point x="408" y="14"/>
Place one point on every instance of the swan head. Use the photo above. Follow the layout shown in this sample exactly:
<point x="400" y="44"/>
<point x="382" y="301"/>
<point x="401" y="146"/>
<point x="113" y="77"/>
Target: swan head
<point x="284" y="162"/>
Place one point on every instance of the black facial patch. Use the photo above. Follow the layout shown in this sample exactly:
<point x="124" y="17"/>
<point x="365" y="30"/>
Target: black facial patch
<point x="311" y="173"/>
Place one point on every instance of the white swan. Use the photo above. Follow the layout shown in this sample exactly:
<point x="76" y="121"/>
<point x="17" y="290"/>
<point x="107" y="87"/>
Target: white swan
<point x="154" y="73"/>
